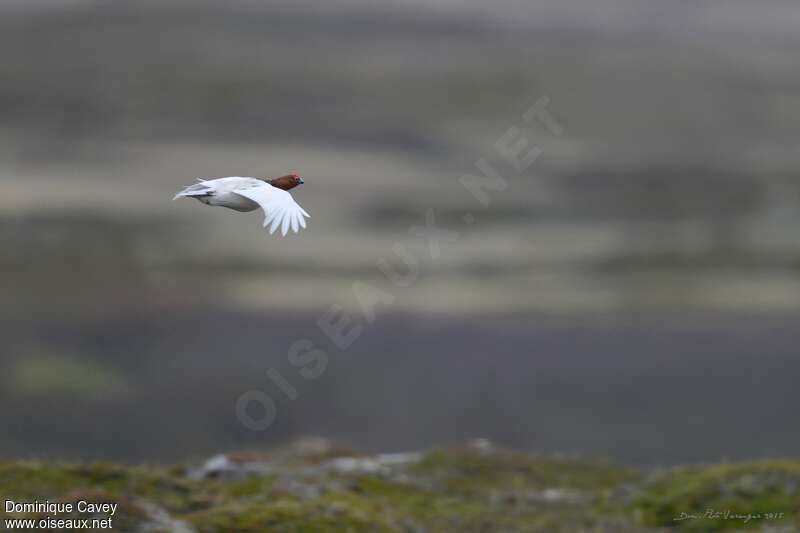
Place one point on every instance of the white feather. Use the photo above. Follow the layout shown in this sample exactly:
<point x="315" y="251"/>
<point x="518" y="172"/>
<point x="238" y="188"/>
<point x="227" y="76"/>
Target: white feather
<point x="280" y="209"/>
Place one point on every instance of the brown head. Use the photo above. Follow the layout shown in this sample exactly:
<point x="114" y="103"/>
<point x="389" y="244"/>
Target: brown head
<point x="289" y="181"/>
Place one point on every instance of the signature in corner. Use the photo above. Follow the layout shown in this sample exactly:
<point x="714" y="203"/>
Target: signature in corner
<point x="713" y="514"/>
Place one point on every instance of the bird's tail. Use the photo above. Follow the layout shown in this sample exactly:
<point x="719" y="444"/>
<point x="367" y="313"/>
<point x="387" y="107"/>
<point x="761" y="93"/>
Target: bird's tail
<point x="198" y="189"/>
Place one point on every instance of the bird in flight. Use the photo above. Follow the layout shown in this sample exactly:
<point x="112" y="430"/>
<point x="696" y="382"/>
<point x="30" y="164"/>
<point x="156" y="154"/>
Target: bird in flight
<point x="248" y="194"/>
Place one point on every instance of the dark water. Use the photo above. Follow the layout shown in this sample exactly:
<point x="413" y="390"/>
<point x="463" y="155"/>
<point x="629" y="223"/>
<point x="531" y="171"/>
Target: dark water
<point x="639" y="389"/>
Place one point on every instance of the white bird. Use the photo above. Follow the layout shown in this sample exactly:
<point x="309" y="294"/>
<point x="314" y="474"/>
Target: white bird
<point x="248" y="194"/>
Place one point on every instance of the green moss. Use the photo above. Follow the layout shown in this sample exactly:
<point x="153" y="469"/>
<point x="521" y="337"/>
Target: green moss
<point x="246" y="488"/>
<point x="467" y="470"/>
<point x="458" y="490"/>
<point x="26" y="480"/>
<point x="30" y="480"/>
<point x="290" y="516"/>
<point x="405" y="499"/>
<point x="426" y="499"/>
<point x="756" y="488"/>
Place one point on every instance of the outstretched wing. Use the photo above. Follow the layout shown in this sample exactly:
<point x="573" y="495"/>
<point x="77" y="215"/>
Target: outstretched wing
<point x="279" y="207"/>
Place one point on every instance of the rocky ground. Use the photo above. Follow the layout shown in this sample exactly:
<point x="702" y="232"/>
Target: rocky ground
<point x="317" y="487"/>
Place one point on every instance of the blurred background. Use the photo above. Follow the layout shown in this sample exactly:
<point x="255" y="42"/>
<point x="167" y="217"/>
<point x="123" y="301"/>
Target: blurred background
<point x="634" y="294"/>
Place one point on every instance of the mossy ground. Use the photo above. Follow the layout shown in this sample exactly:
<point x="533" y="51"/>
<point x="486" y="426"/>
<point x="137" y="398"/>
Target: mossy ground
<point x="718" y="497"/>
<point x="446" y="490"/>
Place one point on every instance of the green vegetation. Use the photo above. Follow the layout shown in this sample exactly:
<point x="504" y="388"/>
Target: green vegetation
<point x="468" y="489"/>
<point x="722" y="495"/>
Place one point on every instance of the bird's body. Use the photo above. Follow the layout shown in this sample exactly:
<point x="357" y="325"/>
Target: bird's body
<point x="248" y="194"/>
<point x="221" y="192"/>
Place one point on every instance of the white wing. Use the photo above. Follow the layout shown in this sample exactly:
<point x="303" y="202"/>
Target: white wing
<point x="279" y="207"/>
